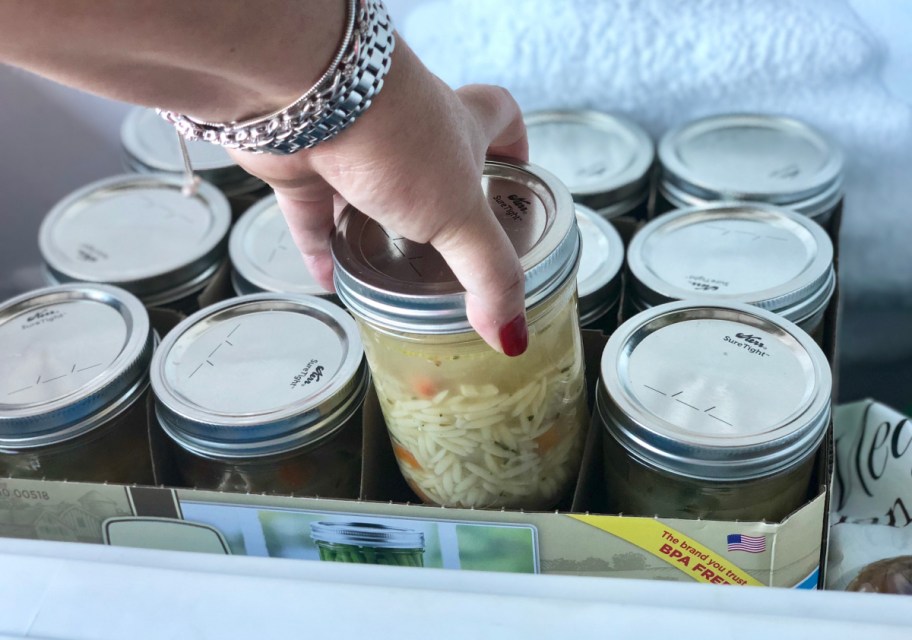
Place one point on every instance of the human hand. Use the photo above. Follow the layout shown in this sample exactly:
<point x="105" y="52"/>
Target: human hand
<point x="413" y="163"/>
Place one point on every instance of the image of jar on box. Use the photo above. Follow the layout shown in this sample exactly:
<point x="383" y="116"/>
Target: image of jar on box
<point x="150" y="145"/>
<point x="74" y="380"/>
<point x="140" y="233"/>
<point x="365" y="543"/>
<point x="711" y="411"/>
<point x="598" y="279"/>
<point x="264" y="258"/>
<point x="757" y="254"/>
<point x="471" y="427"/>
<point x="263" y="394"/>
<point x="750" y="157"/>
<point x="604" y="159"/>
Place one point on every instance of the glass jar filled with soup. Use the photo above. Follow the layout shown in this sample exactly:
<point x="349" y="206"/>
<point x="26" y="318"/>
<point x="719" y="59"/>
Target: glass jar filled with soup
<point x="750" y="157"/>
<point x="140" y="233"/>
<point x="74" y="378"/>
<point x="711" y="411"/>
<point x="604" y="159"/>
<point x="263" y="394"/>
<point x="471" y="427"/>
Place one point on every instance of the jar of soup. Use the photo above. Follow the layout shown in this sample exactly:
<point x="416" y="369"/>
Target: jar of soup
<point x="141" y="233"/>
<point x="605" y="160"/>
<point x="750" y="157"/>
<point x="711" y="411"/>
<point x="264" y="258"/>
<point x="470" y="426"/>
<point x="735" y="252"/>
<point x="263" y="394"/>
<point x="150" y="145"/>
<point x="74" y="378"/>
<point x="366" y="543"/>
<point x="598" y="280"/>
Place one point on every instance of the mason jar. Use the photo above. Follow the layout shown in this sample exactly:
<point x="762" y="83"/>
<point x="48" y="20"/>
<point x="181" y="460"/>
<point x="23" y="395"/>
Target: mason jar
<point x="471" y="427"/>
<point x="750" y="157"/>
<point x="263" y="394"/>
<point x="150" y="145"/>
<point x="367" y="543"/>
<point x="757" y="254"/>
<point x="711" y="411"/>
<point x="598" y="280"/>
<point x="604" y="159"/>
<point x="140" y="233"/>
<point x="74" y="378"/>
<point x="263" y="256"/>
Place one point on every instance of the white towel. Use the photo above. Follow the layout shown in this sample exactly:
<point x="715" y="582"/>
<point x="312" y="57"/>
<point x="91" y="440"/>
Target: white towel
<point x="664" y="61"/>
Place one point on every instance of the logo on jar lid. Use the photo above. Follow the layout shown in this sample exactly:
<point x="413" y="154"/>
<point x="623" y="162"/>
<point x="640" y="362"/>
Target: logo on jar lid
<point x="42" y="316"/>
<point x="749" y="342"/>
<point x="517" y="206"/>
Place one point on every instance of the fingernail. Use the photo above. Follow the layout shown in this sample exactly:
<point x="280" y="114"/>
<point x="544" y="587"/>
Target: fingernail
<point x="514" y="336"/>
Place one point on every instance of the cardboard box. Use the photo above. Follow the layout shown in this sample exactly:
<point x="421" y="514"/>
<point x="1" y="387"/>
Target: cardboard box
<point x="577" y="540"/>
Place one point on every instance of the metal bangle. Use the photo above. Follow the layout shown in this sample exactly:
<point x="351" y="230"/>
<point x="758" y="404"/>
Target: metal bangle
<point x="338" y="98"/>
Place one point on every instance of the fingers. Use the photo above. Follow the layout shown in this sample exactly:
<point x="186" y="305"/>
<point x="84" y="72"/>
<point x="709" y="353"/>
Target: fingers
<point x="310" y="222"/>
<point x="500" y="119"/>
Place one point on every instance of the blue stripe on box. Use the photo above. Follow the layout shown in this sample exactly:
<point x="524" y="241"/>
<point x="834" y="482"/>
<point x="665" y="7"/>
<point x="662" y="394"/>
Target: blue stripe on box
<point x="811" y="581"/>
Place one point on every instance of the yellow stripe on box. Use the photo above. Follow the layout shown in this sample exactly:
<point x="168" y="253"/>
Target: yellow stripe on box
<point x="674" y="547"/>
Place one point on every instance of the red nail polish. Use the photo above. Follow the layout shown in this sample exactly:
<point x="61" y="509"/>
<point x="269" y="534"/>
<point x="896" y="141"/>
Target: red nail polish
<point x="514" y="336"/>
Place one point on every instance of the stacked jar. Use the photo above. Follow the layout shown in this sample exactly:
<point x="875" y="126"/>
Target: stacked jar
<point x="471" y="427"/>
<point x="74" y="376"/>
<point x="605" y="160"/>
<point x="711" y="411"/>
<point x="750" y="157"/>
<point x="140" y="233"/>
<point x="150" y="145"/>
<point x="735" y="252"/>
<point x="263" y="394"/>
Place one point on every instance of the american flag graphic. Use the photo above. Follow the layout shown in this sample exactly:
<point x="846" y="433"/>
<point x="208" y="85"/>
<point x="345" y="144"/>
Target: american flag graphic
<point x="750" y="544"/>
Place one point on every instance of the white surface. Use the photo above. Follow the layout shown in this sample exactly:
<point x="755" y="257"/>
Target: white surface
<point x="65" y="590"/>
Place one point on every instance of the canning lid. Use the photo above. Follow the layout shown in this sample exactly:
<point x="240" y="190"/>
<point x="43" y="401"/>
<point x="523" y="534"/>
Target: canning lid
<point x="406" y="286"/>
<point x="714" y="392"/>
<point x="598" y="280"/>
<point x="72" y="357"/>
<point x="150" y="144"/>
<point x="365" y="534"/>
<point x="138" y="232"/>
<point x="734" y="252"/>
<point x="259" y="375"/>
<point x="263" y="255"/>
<point x="753" y="157"/>
<point x="603" y="159"/>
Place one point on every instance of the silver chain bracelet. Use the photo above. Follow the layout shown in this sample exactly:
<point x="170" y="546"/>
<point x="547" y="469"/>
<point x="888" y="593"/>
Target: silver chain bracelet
<point x="337" y="99"/>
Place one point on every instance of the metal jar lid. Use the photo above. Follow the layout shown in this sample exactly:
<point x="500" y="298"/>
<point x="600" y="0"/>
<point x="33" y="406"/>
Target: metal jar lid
<point x="263" y="255"/>
<point x="601" y="258"/>
<point x="259" y="375"/>
<point x="405" y="286"/>
<point x="72" y="357"/>
<point x="753" y="157"/>
<point x="714" y="392"/>
<point x="138" y="232"/>
<point x="365" y="534"/>
<point x="150" y="145"/>
<point x="734" y="252"/>
<point x="604" y="160"/>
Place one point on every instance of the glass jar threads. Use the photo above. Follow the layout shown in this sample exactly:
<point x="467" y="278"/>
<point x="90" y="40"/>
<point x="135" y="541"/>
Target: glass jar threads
<point x="74" y="375"/>
<point x="735" y="252"/>
<point x="598" y="280"/>
<point x="141" y="233"/>
<point x="264" y="258"/>
<point x="471" y="427"/>
<point x="605" y="160"/>
<point x="750" y="157"/>
<point x="263" y="394"/>
<point x="150" y="145"/>
<point x="366" y="543"/>
<point x="711" y="411"/>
